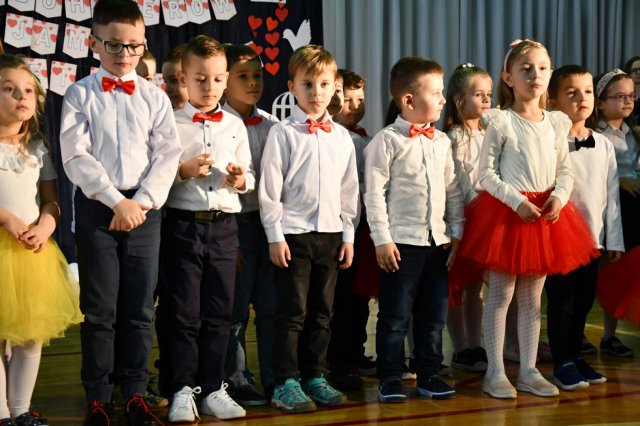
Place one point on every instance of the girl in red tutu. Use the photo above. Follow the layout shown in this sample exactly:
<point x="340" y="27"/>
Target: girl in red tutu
<point x="515" y="229"/>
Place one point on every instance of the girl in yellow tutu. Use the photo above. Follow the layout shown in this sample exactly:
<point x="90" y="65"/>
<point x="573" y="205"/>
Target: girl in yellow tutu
<point x="37" y="300"/>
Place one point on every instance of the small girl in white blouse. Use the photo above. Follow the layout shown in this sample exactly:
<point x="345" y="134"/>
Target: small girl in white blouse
<point x="37" y="301"/>
<point x="523" y="227"/>
<point x="468" y="97"/>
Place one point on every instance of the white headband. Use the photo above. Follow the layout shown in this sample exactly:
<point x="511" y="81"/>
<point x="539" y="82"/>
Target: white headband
<point x="467" y="65"/>
<point x="606" y="79"/>
<point x="513" y="45"/>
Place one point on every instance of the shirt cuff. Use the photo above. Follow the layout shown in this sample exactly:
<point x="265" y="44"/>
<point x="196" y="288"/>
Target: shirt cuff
<point x="381" y="237"/>
<point x="274" y="235"/>
<point x="516" y="201"/>
<point x="348" y="235"/>
<point x="143" y="199"/>
<point x="110" y="197"/>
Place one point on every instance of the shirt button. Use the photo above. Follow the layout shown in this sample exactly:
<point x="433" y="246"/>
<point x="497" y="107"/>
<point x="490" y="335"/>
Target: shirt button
<point x="211" y="188"/>
<point x="206" y="125"/>
<point x="208" y="144"/>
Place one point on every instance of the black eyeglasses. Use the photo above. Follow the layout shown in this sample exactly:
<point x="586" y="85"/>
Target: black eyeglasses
<point x="622" y="97"/>
<point x="115" y="48"/>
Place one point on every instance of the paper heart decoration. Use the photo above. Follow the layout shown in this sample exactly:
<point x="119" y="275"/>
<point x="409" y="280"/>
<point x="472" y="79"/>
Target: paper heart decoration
<point x="165" y="4"/>
<point x="205" y="4"/>
<point x="59" y="2"/>
<point x="189" y="2"/>
<point x="43" y="73"/>
<point x="272" y="67"/>
<point x="56" y="70"/>
<point x="183" y="7"/>
<point x="28" y="30"/>
<point x="87" y="2"/>
<point x="272" y="38"/>
<point x="156" y="8"/>
<point x="281" y="12"/>
<point x="256" y="48"/>
<point x="272" y="52"/>
<point x="53" y="37"/>
<point x="255" y="23"/>
<point x="72" y="78"/>
<point x="37" y="29"/>
<point x="271" y="23"/>
<point x="12" y="22"/>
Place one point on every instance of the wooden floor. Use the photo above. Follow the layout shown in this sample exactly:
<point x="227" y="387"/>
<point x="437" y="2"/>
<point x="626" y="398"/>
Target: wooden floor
<point x="59" y="394"/>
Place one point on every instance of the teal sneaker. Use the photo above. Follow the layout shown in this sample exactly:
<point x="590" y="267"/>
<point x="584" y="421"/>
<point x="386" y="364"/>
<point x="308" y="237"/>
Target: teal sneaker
<point x="291" y="399"/>
<point x="322" y="393"/>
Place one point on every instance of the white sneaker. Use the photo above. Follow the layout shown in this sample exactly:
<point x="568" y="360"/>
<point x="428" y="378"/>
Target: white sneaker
<point x="220" y="404"/>
<point x="183" y="406"/>
<point x="532" y="381"/>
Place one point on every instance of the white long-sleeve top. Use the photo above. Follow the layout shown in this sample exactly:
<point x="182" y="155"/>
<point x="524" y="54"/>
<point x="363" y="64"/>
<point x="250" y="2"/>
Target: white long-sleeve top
<point x="596" y="191"/>
<point x="520" y="155"/>
<point x="466" y="154"/>
<point x="626" y="149"/>
<point x="112" y="141"/>
<point x="227" y="142"/>
<point x="309" y="181"/>
<point x="411" y="188"/>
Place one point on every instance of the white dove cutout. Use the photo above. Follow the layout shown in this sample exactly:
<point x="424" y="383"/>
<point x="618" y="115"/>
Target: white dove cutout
<point x="302" y="38"/>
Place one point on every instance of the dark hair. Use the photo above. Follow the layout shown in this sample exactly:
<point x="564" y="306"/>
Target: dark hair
<point x="123" y="11"/>
<point x="560" y="74"/>
<point x="175" y="54"/>
<point x="593" y="121"/>
<point x="629" y="64"/>
<point x="239" y="52"/>
<point x="457" y="88"/>
<point x="392" y="113"/>
<point x="406" y="73"/>
<point x="351" y="79"/>
<point x="202" y="46"/>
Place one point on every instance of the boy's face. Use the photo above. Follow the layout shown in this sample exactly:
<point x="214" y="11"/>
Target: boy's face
<point x="426" y="104"/>
<point x="146" y="69"/>
<point x="313" y="92"/>
<point x="352" y="107"/>
<point x="477" y="98"/>
<point x="337" y="101"/>
<point x="575" y="97"/>
<point x="245" y="83"/>
<point x="205" y="80"/>
<point x="114" y="34"/>
<point x="171" y="72"/>
<point x="612" y="108"/>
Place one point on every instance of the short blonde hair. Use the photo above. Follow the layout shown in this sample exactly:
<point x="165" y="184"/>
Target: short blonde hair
<point x="312" y="58"/>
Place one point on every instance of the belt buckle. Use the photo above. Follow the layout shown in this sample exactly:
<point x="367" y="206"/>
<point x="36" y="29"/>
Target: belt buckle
<point x="208" y="216"/>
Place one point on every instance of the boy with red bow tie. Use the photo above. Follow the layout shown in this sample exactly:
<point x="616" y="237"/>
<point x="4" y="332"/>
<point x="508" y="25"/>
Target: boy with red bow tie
<point x="309" y="209"/>
<point x="415" y="212"/>
<point x="119" y="146"/>
<point x="200" y="236"/>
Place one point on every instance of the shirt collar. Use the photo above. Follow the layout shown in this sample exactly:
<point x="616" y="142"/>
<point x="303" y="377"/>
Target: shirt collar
<point x="101" y="73"/>
<point x="190" y="110"/>
<point x="229" y="109"/>
<point x="622" y="130"/>
<point x="404" y="125"/>
<point x="300" y="116"/>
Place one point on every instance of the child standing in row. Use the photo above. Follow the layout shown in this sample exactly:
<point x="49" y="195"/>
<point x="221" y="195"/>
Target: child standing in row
<point x="309" y="210"/>
<point x="518" y="229"/>
<point x="147" y="66"/>
<point x="38" y="302"/>
<point x="415" y="212"/>
<point x="171" y="73"/>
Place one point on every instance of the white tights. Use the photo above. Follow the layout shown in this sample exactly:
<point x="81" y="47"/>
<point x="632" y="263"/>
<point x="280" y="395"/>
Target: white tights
<point x="18" y="378"/>
<point x="528" y="290"/>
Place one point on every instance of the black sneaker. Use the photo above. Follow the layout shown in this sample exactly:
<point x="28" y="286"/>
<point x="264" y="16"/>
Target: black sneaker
<point x="614" y="346"/>
<point x="268" y="391"/>
<point x="391" y="392"/>
<point x="248" y="396"/>
<point x="568" y="378"/>
<point x="366" y="366"/>
<point x="7" y="422"/>
<point x="30" y="419"/>
<point x="587" y="348"/>
<point x="137" y="412"/>
<point x="470" y="360"/>
<point x="98" y="414"/>
<point x="434" y="388"/>
<point x="345" y="379"/>
<point x="587" y="371"/>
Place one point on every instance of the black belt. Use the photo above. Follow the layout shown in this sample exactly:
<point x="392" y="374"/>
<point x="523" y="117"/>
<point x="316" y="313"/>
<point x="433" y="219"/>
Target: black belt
<point x="199" y="216"/>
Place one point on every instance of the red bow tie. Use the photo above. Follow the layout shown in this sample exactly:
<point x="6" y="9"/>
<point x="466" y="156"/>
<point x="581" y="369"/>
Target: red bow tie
<point x="252" y="121"/>
<point x="314" y="126"/>
<point x="359" y="130"/>
<point x="417" y="130"/>
<point x="200" y="117"/>
<point x="108" y="84"/>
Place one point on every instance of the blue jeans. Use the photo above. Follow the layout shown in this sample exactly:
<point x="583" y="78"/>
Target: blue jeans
<point x="255" y="284"/>
<point x="420" y="287"/>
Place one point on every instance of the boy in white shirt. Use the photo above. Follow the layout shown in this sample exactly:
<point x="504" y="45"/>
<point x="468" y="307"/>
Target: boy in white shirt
<point x="200" y="237"/>
<point x="119" y="146"/>
<point x="309" y="209"/>
<point x="596" y="196"/>
<point x="415" y="212"/>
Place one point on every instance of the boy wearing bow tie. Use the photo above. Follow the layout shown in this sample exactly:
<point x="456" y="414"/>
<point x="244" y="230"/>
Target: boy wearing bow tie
<point x="309" y="209"/>
<point x="596" y="196"/>
<point x="415" y="211"/>
<point x="255" y="282"/>
<point x="119" y="146"/>
<point x="200" y="236"/>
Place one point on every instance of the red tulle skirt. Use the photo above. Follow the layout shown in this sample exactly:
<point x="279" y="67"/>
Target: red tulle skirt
<point x="619" y="287"/>
<point x="496" y="239"/>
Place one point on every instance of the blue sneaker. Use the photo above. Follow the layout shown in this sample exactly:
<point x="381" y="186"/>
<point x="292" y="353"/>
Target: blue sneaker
<point x="323" y="393"/>
<point x="291" y="399"/>
<point x="591" y="375"/>
<point x="391" y="391"/>
<point x="567" y="377"/>
<point x="434" y="388"/>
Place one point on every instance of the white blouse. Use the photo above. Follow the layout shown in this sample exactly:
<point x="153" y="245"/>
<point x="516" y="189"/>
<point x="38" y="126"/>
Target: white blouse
<point x="466" y="154"/>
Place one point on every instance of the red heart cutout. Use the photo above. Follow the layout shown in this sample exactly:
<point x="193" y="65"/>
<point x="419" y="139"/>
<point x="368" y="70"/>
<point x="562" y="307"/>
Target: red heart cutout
<point x="271" y="23"/>
<point x="156" y="8"/>
<point x="86" y="41"/>
<point x="54" y="37"/>
<point x="56" y="70"/>
<point x="272" y="38"/>
<point x="189" y="2"/>
<point x="254" y="22"/>
<point x="256" y="48"/>
<point x="282" y="13"/>
<point x="272" y="52"/>
<point x="272" y="67"/>
<point x="12" y="22"/>
<point x="205" y="4"/>
<point x="37" y="29"/>
<point x="255" y="34"/>
<point x="183" y="7"/>
<point x="165" y="4"/>
<point x="28" y="30"/>
<point x="43" y="73"/>
<point x="59" y="2"/>
<point x="280" y="5"/>
<point x="87" y="2"/>
<point x="140" y="2"/>
<point x="72" y="78"/>
<point x="66" y="31"/>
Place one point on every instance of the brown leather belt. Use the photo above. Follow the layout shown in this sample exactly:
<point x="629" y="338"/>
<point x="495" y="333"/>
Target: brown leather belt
<point x="206" y="216"/>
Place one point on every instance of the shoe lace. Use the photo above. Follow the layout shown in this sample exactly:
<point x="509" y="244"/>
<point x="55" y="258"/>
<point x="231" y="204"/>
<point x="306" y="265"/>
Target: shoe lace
<point x="323" y="387"/>
<point x="294" y="393"/>
<point x="223" y="396"/>
<point x="97" y="408"/>
<point x="32" y="419"/>
<point x="187" y="399"/>
<point x="138" y="402"/>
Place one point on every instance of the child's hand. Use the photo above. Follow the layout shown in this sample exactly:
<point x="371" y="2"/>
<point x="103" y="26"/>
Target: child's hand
<point x="345" y="257"/>
<point x="388" y="256"/>
<point x="613" y="256"/>
<point x="196" y="168"/>
<point x="36" y="238"/>
<point x="552" y="206"/>
<point x="128" y="215"/>
<point x="279" y="254"/>
<point x="528" y="211"/>
<point x="453" y="250"/>
<point x="14" y="226"/>
<point x="235" y="177"/>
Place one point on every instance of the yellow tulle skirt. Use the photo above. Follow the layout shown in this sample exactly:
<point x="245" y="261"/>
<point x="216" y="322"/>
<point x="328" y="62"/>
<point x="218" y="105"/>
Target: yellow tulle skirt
<point x="39" y="296"/>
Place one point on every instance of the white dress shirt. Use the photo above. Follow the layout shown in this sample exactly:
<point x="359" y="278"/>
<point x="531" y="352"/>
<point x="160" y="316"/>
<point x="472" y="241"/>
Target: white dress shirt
<point x="113" y="141"/>
<point x="411" y="188"/>
<point x="466" y="153"/>
<point x="227" y="142"/>
<point x="520" y="155"/>
<point x="257" y="139"/>
<point x="309" y="181"/>
<point x="626" y="148"/>
<point x="596" y="191"/>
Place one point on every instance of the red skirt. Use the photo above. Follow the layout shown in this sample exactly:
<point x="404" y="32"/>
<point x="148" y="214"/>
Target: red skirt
<point x="496" y="239"/>
<point x="619" y="287"/>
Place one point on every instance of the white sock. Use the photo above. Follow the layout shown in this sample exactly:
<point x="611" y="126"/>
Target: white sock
<point x="528" y="294"/>
<point x="501" y="287"/>
<point x="4" y="408"/>
<point x="23" y="371"/>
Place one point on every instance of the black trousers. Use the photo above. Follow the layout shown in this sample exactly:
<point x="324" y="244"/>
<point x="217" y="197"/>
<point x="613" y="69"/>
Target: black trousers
<point x="118" y="275"/>
<point x="197" y="279"/>
<point x="305" y="292"/>
<point x="569" y="300"/>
